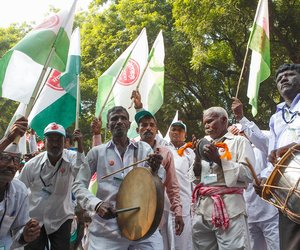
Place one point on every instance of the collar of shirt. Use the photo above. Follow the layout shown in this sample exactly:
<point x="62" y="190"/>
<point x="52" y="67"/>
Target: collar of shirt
<point x="227" y="136"/>
<point x="282" y="105"/>
<point x="64" y="157"/>
<point x="111" y="144"/>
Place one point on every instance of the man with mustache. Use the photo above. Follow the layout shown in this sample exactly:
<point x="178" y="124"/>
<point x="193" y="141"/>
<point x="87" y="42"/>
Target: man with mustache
<point x="183" y="157"/>
<point x="49" y="176"/>
<point x="284" y="134"/>
<point x="221" y="171"/>
<point x="106" y="158"/>
<point x="147" y="129"/>
<point x="16" y="228"/>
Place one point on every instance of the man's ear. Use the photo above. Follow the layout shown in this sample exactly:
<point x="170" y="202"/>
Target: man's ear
<point x="224" y="119"/>
<point x="137" y="129"/>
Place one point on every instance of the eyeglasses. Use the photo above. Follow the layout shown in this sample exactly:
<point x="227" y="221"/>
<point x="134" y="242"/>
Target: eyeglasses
<point x="7" y="158"/>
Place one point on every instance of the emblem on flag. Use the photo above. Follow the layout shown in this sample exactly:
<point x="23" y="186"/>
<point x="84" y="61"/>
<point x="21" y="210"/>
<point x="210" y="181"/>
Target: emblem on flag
<point x="130" y="74"/>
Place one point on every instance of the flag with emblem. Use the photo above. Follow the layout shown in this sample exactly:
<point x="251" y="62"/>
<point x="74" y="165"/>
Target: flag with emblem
<point x="57" y="100"/>
<point x="22" y="66"/>
<point x="151" y="85"/>
<point x="116" y="84"/>
<point x="259" y="43"/>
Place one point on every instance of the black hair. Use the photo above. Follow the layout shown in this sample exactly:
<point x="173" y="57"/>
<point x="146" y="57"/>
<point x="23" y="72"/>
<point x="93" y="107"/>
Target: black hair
<point x="287" y="66"/>
<point x="116" y="109"/>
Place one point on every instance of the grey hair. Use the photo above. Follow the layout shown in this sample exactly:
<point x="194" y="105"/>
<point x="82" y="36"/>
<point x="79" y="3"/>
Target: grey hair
<point x="216" y="110"/>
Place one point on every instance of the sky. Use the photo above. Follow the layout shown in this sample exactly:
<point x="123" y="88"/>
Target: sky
<point x="19" y="11"/>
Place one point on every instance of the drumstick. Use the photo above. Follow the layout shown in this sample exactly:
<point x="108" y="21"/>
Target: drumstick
<point x="252" y="172"/>
<point x="126" y="209"/>
<point x="120" y="170"/>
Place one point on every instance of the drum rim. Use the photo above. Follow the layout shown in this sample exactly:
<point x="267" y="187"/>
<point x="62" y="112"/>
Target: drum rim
<point x="157" y="217"/>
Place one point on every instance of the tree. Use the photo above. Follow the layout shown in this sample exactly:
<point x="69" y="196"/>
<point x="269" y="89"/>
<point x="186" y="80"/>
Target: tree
<point x="219" y="31"/>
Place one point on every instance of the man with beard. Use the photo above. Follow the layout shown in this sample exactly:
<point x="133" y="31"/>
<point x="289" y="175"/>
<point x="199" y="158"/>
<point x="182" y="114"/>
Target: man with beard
<point x="147" y="129"/>
<point x="16" y="228"/>
<point x="49" y="176"/>
<point x="104" y="159"/>
<point x="221" y="170"/>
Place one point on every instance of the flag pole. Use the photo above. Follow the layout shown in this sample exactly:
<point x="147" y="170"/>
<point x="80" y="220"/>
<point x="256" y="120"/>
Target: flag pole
<point x="77" y="104"/>
<point x="77" y="109"/>
<point x="38" y="85"/>
<point x="143" y="73"/>
<point x="119" y="73"/>
<point x="242" y="71"/>
<point x="247" y="50"/>
<point x="42" y="75"/>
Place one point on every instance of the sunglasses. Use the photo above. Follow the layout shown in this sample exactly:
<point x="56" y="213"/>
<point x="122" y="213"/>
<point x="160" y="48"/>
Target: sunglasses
<point x="7" y="158"/>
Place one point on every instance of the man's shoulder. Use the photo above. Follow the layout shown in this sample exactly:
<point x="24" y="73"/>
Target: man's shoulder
<point x="142" y="144"/>
<point x="18" y="186"/>
<point x="164" y="149"/>
<point x="35" y="160"/>
<point x="100" y="147"/>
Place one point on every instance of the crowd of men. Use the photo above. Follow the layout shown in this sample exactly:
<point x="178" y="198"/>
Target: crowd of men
<point x="211" y="199"/>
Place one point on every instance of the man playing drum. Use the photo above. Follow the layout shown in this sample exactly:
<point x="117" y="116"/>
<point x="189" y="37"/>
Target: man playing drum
<point x="107" y="158"/>
<point x="284" y="133"/>
<point x="222" y="172"/>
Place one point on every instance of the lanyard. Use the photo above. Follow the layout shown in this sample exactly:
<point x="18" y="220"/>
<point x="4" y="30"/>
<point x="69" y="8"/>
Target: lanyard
<point x="5" y="208"/>
<point x="51" y="176"/>
<point x="291" y="118"/>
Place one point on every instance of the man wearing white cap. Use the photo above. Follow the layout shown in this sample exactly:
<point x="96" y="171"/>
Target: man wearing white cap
<point x="183" y="158"/>
<point x="49" y="176"/>
<point x="16" y="228"/>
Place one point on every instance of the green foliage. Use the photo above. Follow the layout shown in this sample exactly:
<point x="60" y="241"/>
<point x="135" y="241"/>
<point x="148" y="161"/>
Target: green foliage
<point x="205" y="44"/>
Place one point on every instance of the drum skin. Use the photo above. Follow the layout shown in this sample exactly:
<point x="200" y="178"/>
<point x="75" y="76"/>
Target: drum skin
<point x="282" y="188"/>
<point x="140" y="188"/>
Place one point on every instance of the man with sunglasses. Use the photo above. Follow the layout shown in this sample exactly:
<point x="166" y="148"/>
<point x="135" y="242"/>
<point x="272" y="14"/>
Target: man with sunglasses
<point x="16" y="228"/>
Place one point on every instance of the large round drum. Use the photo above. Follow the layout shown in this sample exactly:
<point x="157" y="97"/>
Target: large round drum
<point x="282" y="188"/>
<point x="140" y="188"/>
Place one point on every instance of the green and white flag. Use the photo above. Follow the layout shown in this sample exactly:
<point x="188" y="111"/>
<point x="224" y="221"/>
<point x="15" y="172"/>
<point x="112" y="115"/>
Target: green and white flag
<point x="21" y="66"/>
<point x="125" y="73"/>
<point x="151" y="86"/>
<point x="259" y="43"/>
<point x="57" y="100"/>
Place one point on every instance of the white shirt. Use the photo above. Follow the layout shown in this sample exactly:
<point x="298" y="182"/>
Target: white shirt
<point x="233" y="173"/>
<point x="258" y="210"/>
<point x="50" y="188"/>
<point x="182" y="166"/>
<point x="16" y="214"/>
<point x="105" y="159"/>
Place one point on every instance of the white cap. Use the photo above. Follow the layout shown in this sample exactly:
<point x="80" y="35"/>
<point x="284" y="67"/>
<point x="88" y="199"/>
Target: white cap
<point x="179" y="123"/>
<point x="55" y="128"/>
